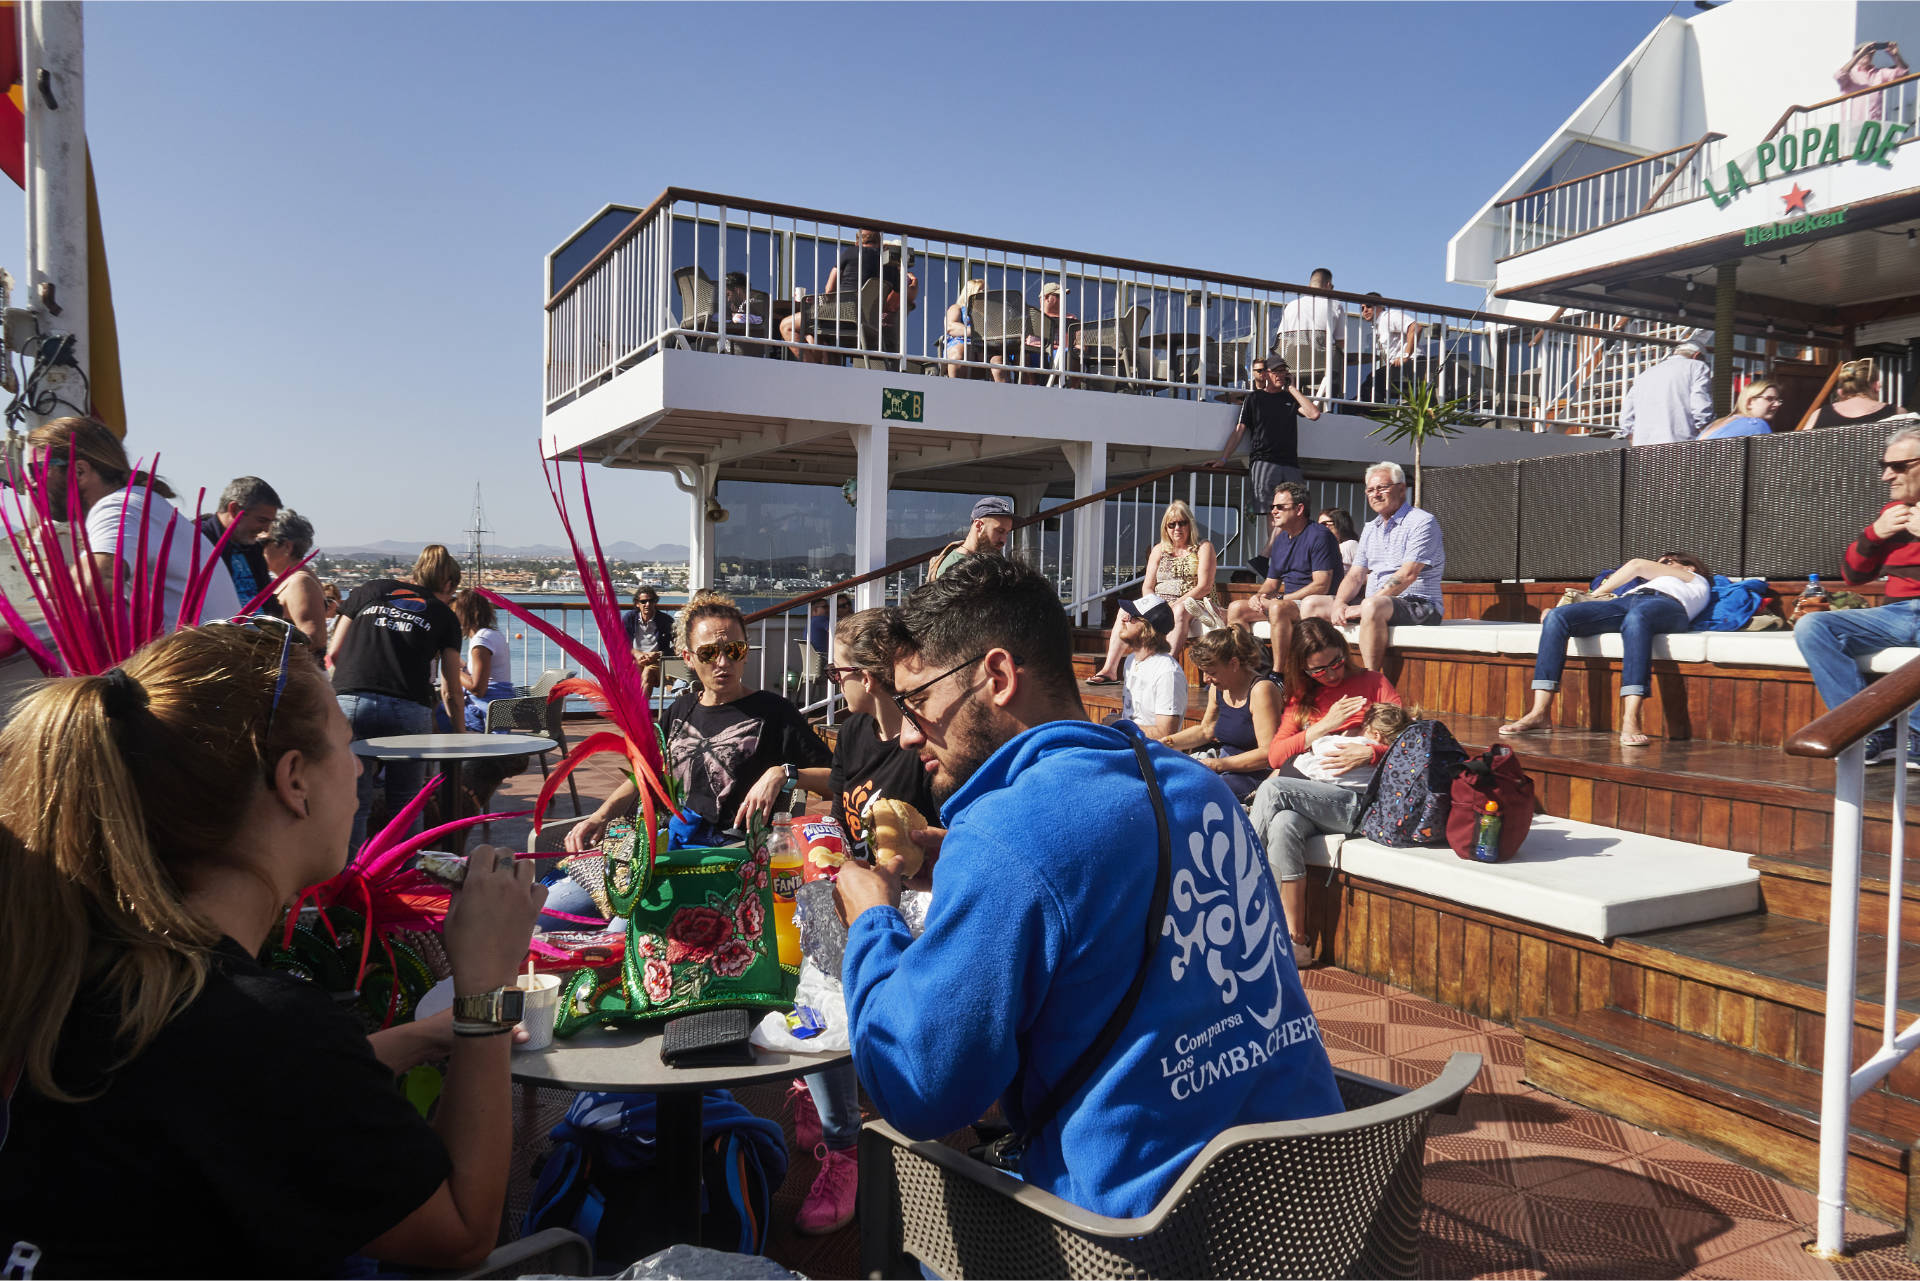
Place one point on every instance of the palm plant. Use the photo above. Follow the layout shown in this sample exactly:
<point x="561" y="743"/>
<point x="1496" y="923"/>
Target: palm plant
<point x="1423" y="416"/>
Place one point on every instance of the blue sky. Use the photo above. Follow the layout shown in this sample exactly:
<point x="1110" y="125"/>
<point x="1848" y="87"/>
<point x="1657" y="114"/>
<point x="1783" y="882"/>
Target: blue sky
<point x="327" y="222"/>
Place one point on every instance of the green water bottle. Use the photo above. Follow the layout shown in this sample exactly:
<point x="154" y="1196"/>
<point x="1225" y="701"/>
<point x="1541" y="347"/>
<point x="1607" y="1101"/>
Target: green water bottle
<point x="1486" y="834"/>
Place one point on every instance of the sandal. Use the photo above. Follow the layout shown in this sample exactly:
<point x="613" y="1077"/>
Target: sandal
<point x="1514" y="729"/>
<point x="1634" y="740"/>
<point x="1098" y="679"/>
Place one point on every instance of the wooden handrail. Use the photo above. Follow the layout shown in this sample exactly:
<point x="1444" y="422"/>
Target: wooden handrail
<point x="1598" y="354"/>
<point x="1112" y="491"/>
<point x="1046" y="251"/>
<point x="1859" y="716"/>
<point x="1820" y="397"/>
<point x="1788" y="113"/>
<point x="1679" y="169"/>
<point x="1568" y="182"/>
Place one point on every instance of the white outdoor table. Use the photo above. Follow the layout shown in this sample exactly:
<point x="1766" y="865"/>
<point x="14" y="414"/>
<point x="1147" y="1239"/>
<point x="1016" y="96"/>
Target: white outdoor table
<point x="453" y="751"/>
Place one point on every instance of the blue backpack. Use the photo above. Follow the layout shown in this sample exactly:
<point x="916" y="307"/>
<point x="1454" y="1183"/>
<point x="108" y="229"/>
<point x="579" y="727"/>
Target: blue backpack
<point x="1412" y="790"/>
<point x="599" y="1180"/>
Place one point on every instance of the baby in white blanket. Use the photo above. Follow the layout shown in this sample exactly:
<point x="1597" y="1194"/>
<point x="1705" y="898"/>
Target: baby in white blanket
<point x="1381" y="725"/>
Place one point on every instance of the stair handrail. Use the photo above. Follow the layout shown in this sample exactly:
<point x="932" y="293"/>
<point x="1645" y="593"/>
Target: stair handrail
<point x="1821" y="397"/>
<point x="1112" y="491"/>
<point x="1788" y="114"/>
<point x="1840" y="736"/>
<point x="1827" y="736"/>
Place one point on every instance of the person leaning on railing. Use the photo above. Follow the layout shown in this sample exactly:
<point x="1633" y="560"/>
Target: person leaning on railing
<point x="180" y="1109"/>
<point x="1832" y="640"/>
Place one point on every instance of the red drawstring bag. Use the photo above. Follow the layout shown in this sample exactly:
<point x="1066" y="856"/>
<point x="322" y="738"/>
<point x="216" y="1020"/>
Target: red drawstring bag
<point x="1495" y="775"/>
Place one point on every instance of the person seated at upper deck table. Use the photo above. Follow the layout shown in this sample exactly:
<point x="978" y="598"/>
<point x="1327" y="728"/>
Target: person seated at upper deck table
<point x="1398" y="566"/>
<point x="1675" y="590"/>
<point x="1833" y="640"/>
<point x="959" y="341"/>
<point x="1303" y="562"/>
<point x="862" y="262"/>
<point x="180" y="1109"/>
<point x="1753" y="412"/>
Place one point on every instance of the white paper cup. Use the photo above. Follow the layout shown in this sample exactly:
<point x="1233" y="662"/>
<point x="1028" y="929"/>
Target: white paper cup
<point x="541" y="1005"/>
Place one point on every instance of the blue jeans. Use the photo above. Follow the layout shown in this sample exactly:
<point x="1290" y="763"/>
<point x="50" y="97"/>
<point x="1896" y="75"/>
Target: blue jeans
<point x="378" y="716"/>
<point x="836" y="1097"/>
<point x="1638" y="618"/>
<point x="1831" y="640"/>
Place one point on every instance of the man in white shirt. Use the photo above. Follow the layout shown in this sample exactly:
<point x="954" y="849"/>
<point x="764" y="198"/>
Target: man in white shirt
<point x="1671" y="401"/>
<point x="1312" y="338"/>
<point x="1155" y="696"/>
<point x="1396" y="337"/>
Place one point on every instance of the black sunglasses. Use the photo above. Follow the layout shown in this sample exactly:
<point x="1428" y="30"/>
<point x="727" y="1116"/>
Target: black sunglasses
<point x="1898" y="466"/>
<point x="904" y="700"/>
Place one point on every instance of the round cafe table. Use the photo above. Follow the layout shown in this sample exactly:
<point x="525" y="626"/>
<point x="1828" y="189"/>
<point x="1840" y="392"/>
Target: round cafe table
<point x="627" y="1060"/>
<point x="452" y="751"/>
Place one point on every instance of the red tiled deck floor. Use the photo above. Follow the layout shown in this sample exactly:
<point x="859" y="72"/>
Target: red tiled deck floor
<point x="1519" y="1184"/>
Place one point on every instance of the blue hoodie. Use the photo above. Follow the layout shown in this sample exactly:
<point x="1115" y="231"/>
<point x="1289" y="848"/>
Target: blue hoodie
<point x="1034" y="935"/>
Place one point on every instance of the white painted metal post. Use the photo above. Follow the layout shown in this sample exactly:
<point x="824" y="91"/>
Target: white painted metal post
<point x="871" y="480"/>
<point x="1836" y="1060"/>
<point x="696" y="481"/>
<point x="56" y="159"/>
<point x="1089" y="462"/>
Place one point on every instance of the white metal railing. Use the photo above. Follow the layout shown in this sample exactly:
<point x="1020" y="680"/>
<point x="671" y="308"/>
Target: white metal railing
<point x="1119" y="326"/>
<point x="1840" y="1082"/>
<point x="1579" y="205"/>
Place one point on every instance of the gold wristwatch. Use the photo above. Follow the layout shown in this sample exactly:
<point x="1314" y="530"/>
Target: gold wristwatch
<point x="488" y="1013"/>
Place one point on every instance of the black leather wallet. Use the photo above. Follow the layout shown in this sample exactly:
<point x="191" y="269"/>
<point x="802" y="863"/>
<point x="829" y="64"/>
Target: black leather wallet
<point x="711" y="1038"/>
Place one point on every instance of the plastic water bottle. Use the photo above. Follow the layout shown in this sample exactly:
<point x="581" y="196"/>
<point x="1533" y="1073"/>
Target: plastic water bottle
<point x="1486" y="835"/>
<point x="1813" y="599"/>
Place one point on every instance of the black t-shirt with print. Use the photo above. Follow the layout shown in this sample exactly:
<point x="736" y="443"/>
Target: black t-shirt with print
<point x="396" y="636"/>
<point x="1272" y="419"/>
<point x="866" y="765"/>
<point x="719" y="753"/>
<point x="257" y="1135"/>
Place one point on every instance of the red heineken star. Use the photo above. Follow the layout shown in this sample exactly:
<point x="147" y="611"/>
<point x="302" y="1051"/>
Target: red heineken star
<point x="1797" y="198"/>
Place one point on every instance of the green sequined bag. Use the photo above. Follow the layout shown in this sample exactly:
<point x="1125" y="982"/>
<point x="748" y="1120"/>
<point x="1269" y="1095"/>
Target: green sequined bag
<point x="699" y="936"/>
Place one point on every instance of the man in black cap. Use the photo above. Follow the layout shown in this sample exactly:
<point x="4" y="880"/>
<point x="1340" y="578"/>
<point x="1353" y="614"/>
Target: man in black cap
<point x="1155" y="693"/>
<point x="992" y="523"/>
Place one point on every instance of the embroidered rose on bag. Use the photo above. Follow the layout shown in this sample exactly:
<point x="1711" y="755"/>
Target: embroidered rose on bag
<point x="652" y="947"/>
<point x="658" y="981"/>
<point x="732" y="959"/>
<point x="749" y="918"/>
<point x="696" y="932"/>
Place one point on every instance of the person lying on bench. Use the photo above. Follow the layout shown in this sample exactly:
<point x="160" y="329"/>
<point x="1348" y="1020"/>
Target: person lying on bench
<point x="1675" y="590"/>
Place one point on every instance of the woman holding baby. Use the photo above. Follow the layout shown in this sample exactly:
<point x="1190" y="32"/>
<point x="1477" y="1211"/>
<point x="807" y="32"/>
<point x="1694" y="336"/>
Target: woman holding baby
<point x="1337" y="724"/>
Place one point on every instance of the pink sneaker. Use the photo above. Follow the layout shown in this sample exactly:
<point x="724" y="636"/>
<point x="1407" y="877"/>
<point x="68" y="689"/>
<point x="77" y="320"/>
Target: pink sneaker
<point x="829" y="1203"/>
<point x="806" y="1117"/>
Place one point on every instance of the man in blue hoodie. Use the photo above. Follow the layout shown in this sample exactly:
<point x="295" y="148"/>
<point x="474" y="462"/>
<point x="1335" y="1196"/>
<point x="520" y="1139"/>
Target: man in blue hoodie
<point x="1045" y="876"/>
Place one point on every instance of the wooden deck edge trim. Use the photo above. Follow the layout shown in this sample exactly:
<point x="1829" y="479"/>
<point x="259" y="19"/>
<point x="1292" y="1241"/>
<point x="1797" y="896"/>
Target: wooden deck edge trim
<point x="1872" y="1188"/>
<point x="1801" y="996"/>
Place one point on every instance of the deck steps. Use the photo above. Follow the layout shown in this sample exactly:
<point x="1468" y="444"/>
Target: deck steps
<point x="1750" y="1106"/>
<point x="1799" y="884"/>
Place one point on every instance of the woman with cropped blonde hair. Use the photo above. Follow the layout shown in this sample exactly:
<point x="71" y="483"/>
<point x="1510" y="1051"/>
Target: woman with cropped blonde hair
<point x="1180" y="570"/>
<point x="155" y="822"/>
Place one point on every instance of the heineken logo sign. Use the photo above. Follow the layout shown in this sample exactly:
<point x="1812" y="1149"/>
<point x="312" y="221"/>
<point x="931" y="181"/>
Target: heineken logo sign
<point x="1794" y="227"/>
<point x="1865" y="141"/>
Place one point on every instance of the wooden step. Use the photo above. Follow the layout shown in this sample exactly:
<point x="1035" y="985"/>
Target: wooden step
<point x="1749" y="1106"/>
<point x="1799" y="883"/>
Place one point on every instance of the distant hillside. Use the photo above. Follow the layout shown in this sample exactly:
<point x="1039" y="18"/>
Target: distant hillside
<point x="615" y="551"/>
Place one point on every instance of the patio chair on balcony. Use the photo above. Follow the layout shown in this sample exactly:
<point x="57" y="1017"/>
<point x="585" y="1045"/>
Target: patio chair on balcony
<point x="845" y="319"/>
<point x="699" y="305"/>
<point x="1331" y="1196"/>
<point x="1112" y="347"/>
<point x="535" y="714"/>
<point x="1002" y="321"/>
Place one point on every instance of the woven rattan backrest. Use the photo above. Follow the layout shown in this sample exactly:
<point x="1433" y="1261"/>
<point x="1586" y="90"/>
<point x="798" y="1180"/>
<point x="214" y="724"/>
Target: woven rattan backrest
<point x="1478" y="511"/>
<point x="1570" y="514"/>
<point x="1808" y="494"/>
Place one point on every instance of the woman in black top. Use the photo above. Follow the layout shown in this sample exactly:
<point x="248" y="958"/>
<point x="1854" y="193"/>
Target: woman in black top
<point x="1856" y="398"/>
<point x="735" y="751"/>
<point x="1243" y="710"/>
<point x="180" y="1110"/>
<point x="384" y="650"/>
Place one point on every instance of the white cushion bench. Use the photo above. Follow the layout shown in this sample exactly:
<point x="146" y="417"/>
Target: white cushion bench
<point x="1726" y="649"/>
<point x="1573" y="877"/>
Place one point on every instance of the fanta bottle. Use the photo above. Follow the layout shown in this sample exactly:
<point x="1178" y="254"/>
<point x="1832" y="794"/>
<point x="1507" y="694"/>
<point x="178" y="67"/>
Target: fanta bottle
<point x="784" y="860"/>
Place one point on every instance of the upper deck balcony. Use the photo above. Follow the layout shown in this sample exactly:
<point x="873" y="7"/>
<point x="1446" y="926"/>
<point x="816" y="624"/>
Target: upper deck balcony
<point x="652" y="359"/>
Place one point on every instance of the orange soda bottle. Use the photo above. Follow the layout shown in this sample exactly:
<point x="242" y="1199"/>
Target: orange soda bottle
<point x="784" y="860"/>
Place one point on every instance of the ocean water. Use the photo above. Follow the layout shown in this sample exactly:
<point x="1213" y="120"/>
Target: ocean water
<point x="533" y="653"/>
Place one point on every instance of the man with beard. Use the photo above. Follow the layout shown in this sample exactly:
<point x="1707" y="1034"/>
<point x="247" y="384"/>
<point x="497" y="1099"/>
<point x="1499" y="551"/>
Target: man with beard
<point x="1047" y="871"/>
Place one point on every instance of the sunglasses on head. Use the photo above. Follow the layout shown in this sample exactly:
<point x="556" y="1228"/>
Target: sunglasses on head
<point x="268" y="625"/>
<point x="734" y="650"/>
